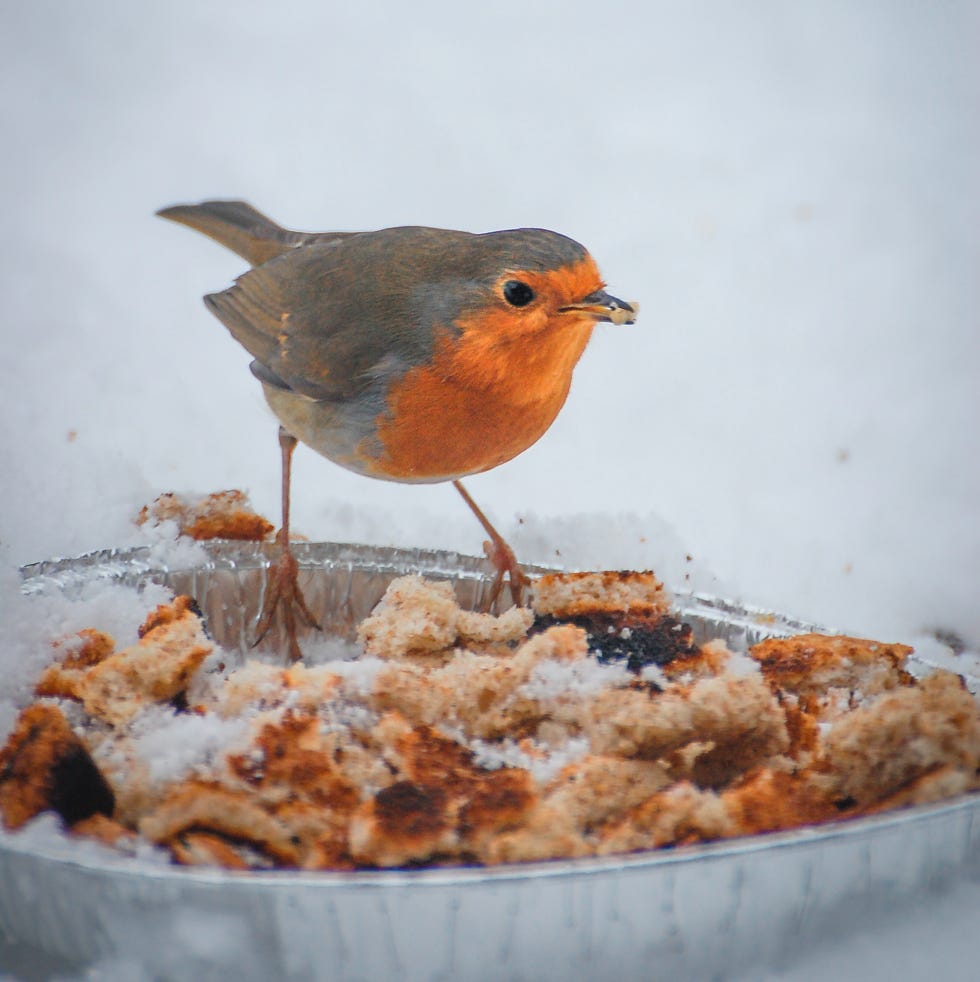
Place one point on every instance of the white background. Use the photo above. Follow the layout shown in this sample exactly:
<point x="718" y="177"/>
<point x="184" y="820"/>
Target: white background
<point x="789" y="189"/>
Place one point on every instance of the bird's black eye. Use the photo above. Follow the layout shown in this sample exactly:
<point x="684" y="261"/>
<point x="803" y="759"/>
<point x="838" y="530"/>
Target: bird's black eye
<point x="517" y="294"/>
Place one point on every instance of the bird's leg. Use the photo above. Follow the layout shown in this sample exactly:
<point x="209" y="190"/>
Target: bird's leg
<point x="500" y="555"/>
<point x="284" y="592"/>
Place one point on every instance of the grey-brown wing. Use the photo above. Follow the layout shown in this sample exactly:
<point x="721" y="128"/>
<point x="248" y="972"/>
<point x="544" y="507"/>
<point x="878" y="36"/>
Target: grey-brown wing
<point x="313" y="321"/>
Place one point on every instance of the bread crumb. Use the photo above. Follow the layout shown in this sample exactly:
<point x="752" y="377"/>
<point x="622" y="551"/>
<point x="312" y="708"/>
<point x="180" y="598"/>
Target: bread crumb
<point x="221" y="515"/>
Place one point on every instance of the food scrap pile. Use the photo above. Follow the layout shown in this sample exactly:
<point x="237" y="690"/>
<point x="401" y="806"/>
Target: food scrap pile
<point x="587" y="724"/>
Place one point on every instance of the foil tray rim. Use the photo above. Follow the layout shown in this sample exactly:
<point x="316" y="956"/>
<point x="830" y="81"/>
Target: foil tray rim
<point x="586" y="866"/>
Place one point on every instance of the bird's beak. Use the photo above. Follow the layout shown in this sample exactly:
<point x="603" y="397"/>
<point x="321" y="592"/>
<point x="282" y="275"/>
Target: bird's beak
<point x="604" y="307"/>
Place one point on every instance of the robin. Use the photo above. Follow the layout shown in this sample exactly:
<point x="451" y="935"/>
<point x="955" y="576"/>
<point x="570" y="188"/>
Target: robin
<point x="407" y="354"/>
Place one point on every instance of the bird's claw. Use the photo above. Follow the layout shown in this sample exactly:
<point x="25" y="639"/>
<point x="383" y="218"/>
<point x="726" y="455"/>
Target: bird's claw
<point x="285" y="595"/>
<point x="505" y="563"/>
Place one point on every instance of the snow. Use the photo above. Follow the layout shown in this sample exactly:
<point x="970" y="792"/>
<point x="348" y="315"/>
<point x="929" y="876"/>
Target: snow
<point x="790" y="191"/>
<point x="741" y="664"/>
<point x="553" y="679"/>
<point x="358" y="674"/>
<point x="29" y="627"/>
<point x="174" y="745"/>
<point x="542" y="761"/>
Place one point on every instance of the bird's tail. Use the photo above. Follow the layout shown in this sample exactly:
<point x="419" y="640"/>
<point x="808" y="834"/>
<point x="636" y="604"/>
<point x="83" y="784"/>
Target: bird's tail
<point x="239" y="227"/>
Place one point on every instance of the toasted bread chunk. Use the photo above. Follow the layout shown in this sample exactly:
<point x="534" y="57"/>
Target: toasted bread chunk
<point x="625" y="615"/>
<point x="418" y="616"/>
<point x="222" y="515"/>
<point x="293" y="759"/>
<point x="903" y="734"/>
<point x="200" y="848"/>
<point x="698" y="663"/>
<point x="592" y="790"/>
<point x="414" y="615"/>
<point x="157" y="668"/>
<point x="404" y="823"/>
<point x="738" y="713"/>
<point x="105" y="830"/>
<point x="678" y="815"/>
<point x="445" y="805"/>
<point x="547" y="834"/>
<point x="45" y="767"/>
<point x="505" y="628"/>
<point x="945" y="781"/>
<point x="765" y="800"/>
<point x="568" y="595"/>
<point x="197" y="806"/>
<point x="258" y="686"/>
<point x="478" y="692"/>
<point x="812" y="664"/>
<point x="80" y="653"/>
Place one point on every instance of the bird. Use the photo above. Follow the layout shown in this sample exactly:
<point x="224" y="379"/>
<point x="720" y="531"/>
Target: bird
<point x="409" y="354"/>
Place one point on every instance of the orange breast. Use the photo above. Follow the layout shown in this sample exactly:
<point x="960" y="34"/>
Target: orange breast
<point x="484" y="398"/>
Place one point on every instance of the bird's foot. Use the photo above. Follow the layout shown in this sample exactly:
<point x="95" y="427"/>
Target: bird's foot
<point x="284" y="594"/>
<point x="500" y="555"/>
<point x="505" y="563"/>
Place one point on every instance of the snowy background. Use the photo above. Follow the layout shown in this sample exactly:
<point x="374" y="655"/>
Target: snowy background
<point x="790" y="191"/>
